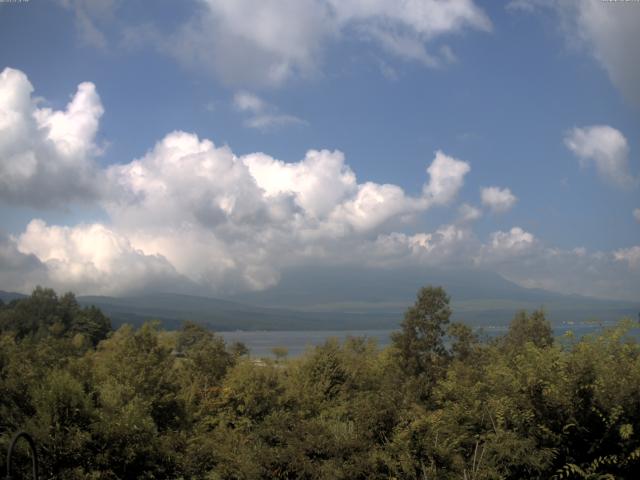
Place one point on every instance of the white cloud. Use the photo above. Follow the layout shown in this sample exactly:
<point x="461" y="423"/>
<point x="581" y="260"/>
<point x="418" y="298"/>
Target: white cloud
<point x="93" y="259"/>
<point x="254" y="43"/>
<point x="245" y="101"/>
<point x="636" y="214"/>
<point x="522" y="258"/>
<point x="608" y="28"/>
<point x="73" y="130"/>
<point x="317" y="183"/>
<point x="262" y="115"/>
<point x="468" y="213"/>
<point x="446" y="178"/>
<point x="517" y="255"/>
<point x="265" y="43"/>
<point x="605" y="30"/>
<point x="46" y="156"/>
<point x="607" y="148"/>
<point x="268" y="121"/>
<point x="427" y="17"/>
<point x="629" y="255"/>
<point x="498" y="199"/>
<point x="527" y="5"/>
<point x="507" y="245"/>
<point x="245" y="217"/>
<point x="182" y="180"/>
<point x="90" y="17"/>
<point x="447" y="245"/>
<point x="575" y="271"/>
<point x="192" y="216"/>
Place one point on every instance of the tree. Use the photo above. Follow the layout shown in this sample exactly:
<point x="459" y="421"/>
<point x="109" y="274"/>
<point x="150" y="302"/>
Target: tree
<point x="463" y="340"/>
<point x="140" y="409"/>
<point x="205" y="356"/>
<point x="419" y="345"/>
<point x="238" y="349"/>
<point x="525" y="328"/>
<point x="44" y="314"/>
<point x="91" y="322"/>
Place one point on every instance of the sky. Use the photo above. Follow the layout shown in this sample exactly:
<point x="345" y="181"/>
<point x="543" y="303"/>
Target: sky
<point x="206" y="146"/>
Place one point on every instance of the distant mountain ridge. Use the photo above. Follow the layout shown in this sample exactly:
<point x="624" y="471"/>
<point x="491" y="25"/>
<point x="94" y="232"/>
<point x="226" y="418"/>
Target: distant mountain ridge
<point x="350" y="299"/>
<point x="6" y="297"/>
<point x="173" y="309"/>
<point x="329" y="285"/>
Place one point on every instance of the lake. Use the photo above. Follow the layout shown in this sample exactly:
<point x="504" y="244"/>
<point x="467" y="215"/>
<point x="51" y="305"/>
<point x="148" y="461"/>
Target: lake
<point x="260" y="343"/>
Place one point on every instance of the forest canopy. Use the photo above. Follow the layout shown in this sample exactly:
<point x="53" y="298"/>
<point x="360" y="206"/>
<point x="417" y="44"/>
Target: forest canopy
<point x="437" y="403"/>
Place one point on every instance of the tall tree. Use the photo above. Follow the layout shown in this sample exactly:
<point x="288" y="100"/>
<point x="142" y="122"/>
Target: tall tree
<point x="526" y="327"/>
<point x="420" y="344"/>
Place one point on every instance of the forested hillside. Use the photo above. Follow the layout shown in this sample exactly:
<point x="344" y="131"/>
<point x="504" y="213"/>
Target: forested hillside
<point x="437" y="403"/>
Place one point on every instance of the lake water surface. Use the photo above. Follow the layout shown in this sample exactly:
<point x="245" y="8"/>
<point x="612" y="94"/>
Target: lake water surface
<point x="260" y="343"/>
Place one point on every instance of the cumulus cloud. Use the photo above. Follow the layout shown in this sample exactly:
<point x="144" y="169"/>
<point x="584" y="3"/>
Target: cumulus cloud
<point x="446" y="178"/>
<point x="468" y="213"/>
<point x="607" y="148"/>
<point x="93" y="259"/>
<point x="505" y="246"/>
<point x="189" y="211"/>
<point x="499" y="200"/>
<point x="605" y="30"/>
<point x="193" y="216"/>
<point x="317" y="183"/>
<point x="46" y="155"/>
<point x="447" y="245"/>
<point x="245" y="217"/>
<point x="262" y="115"/>
<point x="268" y="42"/>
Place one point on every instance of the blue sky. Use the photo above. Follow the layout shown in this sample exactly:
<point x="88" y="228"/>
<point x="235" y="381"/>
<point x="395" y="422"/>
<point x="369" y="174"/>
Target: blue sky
<point x="539" y="99"/>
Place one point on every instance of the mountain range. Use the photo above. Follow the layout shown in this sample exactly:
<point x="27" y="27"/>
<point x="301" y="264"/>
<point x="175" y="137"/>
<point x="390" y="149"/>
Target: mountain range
<point x="350" y="299"/>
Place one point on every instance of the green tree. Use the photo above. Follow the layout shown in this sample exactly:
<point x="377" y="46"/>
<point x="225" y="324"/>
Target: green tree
<point x="44" y="314"/>
<point x="463" y="341"/>
<point x="419" y="344"/>
<point x="140" y="411"/>
<point x="238" y="349"/>
<point x="526" y="327"/>
<point x="203" y="363"/>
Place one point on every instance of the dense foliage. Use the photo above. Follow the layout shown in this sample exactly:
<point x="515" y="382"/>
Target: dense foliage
<point x="437" y="403"/>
